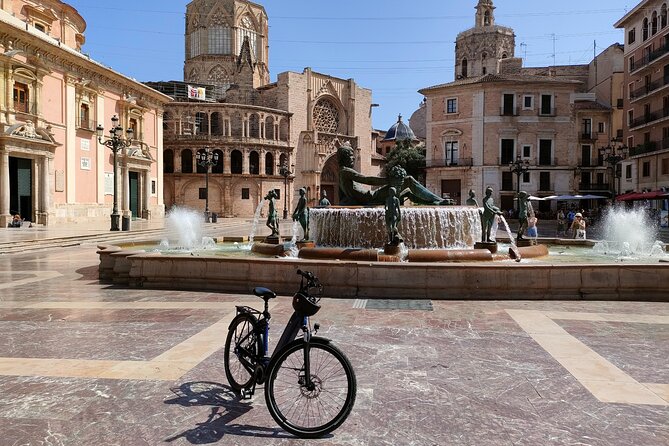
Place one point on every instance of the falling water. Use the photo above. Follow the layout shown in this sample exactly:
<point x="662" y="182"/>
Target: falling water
<point x="256" y="218"/>
<point x="514" y="248"/>
<point x="185" y="227"/>
<point x="420" y="227"/>
<point x="629" y="233"/>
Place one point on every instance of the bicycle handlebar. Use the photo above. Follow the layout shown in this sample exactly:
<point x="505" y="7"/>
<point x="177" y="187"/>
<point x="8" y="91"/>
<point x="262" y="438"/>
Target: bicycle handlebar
<point x="312" y="280"/>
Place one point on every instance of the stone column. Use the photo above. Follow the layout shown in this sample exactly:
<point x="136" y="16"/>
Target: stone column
<point x="261" y="164"/>
<point x="70" y="142"/>
<point x="146" y="179"/>
<point x="125" y="189"/>
<point x="245" y="161"/>
<point x="5" y="217"/>
<point x="45" y="191"/>
<point x="160" y="163"/>
<point x="227" y="161"/>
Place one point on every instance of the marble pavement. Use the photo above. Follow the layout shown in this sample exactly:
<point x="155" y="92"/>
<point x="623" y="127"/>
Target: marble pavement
<point x="86" y="364"/>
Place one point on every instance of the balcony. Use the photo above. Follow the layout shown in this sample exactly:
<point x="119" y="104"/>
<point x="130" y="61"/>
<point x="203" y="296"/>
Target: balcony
<point x="588" y="136"/>
<point x="649" y="88"/>
<point x="649" y="147"/>
<point x="227" y="139"/>
<point x="649" y="117"/>
<point x="648" y="58"/>
<point x="86" y="124"/>
<point x="508" y="111"/>
<point x="461" y="162"/>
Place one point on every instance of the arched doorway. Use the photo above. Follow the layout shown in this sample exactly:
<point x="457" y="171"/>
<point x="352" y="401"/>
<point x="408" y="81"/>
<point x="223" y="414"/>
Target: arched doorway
<point x="330" y="179"/>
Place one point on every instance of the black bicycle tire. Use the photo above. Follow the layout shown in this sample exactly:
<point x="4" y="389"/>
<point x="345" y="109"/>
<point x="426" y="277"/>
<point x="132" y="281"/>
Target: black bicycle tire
<point x="243" y="317"/>
<point x="339" y="418"/>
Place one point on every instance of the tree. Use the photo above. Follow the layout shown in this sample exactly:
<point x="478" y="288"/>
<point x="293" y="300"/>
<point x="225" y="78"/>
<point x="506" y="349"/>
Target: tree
<point x="410" y="157"/>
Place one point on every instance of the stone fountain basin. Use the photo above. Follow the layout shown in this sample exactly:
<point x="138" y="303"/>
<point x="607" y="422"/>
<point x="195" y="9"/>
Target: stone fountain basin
<point x="388" y="280"/>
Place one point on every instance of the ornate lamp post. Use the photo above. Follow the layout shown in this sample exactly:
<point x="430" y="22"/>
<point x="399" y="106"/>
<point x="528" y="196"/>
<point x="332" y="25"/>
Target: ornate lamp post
<point x="116" y="143"/>
<point x="614" y="155"/>
<point x="206" y="158"/>
<point x="519" y="167"/>
<point x="285" y="173"/>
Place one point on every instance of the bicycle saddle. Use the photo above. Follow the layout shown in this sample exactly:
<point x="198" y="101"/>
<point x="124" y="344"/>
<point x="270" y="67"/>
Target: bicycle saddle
<point x="263" y="292"/>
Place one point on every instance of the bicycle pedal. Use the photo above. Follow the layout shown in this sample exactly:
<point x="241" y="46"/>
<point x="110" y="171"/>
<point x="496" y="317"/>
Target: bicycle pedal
<point x="247" y="394"/>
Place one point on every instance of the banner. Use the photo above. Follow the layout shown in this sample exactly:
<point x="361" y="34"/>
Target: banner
<point x="197" y="92"/>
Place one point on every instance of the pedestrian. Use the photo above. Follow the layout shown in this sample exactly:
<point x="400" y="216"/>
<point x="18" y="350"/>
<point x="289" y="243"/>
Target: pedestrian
<point x="578" y="226"/>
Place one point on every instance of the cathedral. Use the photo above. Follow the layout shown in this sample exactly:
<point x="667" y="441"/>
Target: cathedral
<point x="231" y="135"/>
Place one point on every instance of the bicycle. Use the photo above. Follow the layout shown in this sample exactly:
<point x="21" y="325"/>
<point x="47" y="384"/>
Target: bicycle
<point x="310" y="385"/>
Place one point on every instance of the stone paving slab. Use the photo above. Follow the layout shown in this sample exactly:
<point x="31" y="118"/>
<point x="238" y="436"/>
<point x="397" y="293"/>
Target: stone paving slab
<point x="87" y="364"/>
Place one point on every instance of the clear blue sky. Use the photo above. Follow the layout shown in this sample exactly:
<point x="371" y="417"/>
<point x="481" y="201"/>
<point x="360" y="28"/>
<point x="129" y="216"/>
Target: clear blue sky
<point x="392" y="47"/>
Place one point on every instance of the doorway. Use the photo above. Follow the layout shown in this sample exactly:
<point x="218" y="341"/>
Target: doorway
<point x="451" y="189"/>
<point x="134" y="194"/>
<point x="21" y="187"/>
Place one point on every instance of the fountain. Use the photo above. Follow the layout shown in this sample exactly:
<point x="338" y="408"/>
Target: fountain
<point x="629" y="234"/>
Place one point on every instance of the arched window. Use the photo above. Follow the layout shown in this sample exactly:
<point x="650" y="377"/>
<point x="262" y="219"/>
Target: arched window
<point x="663" y="16"/>
<point x="269" y="164"/>
<point x="653" y="22"/>
<point x="218" y="167"/>
<point x="254" y="126"/>
<point x="465" y="68"/>
<point x="504" y="56"/>
<point x="186" y="161"/>
<point x="200" y="168"/>
<point x="202" y="123"/>
<point x="326" y="116"/>
<point x="254" y="163"/>
<point x="216" y="124"/>
<point x="486" y="18"/>
<point x="236" y="162"/>
<point x="168" y="161"/>
<point x="644" y="30"/>
<point x="269" y="128"/>
<point x="220" y="40"/>
<point x="283" y="159"/>
<point x="247" y="30"/>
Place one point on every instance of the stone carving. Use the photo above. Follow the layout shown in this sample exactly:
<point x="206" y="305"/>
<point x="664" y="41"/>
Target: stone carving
<point x="488" y="216"/>
<point x="524" y="211"/>
<point x="326" y="116"/>
<point x="27" y="130"/>
<point x="471" y="201"/>
<point x="393" y="217"/>
<point x="301" y="213"/>
<point x="272" y="214"/>
<point x="324" y="200"/>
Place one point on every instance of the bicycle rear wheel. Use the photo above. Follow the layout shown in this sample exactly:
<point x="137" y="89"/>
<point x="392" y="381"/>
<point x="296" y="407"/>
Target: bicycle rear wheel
<point x="242" y="347"/>
<point x="310" y="413"/>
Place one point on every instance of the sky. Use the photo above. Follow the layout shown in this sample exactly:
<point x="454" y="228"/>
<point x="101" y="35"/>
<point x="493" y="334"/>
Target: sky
<point x="391" y="47"/>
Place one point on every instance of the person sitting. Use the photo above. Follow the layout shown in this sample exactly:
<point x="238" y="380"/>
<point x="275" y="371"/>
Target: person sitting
<point x="578" y="226"/>
<point x="16" y="221"/>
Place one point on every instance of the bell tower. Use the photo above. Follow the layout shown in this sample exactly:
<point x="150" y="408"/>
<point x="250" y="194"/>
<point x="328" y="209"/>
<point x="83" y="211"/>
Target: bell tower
<point x="216" y="32"/>
<point x="479" y="49"/>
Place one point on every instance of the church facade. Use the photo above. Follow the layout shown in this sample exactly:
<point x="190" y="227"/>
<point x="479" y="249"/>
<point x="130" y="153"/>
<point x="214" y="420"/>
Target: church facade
<point x="265" y="135"/>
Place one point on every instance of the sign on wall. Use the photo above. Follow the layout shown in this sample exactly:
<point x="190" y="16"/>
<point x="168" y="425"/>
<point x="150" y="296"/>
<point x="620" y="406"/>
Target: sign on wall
<point x="60" y="181"/>
<point x="85" y="163"/>
<point x="85" y="144"/>
<point x="109" y="183"/>
<point x="197" y="92"/>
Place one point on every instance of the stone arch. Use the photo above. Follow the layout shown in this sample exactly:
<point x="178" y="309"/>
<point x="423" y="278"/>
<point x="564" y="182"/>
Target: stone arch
<point x="464" y="68"/>
<point x="242" y="207"/>
<point x="644" y="28"/>
<point x="186" y="161"/>
<point x="168" y="161"/>
<point x="202" y="123"/>
<point x="653" y="23"/>
<point x="216" y="123"/>
<point x="269" y="127"/>
<point x="254" y="163"/>
<point x="329" y="179"/>
<point x="284" y="129"/>
<point x="663" y="15"/>
<point x="236" y="162"/>
<point x="190" y="191"/>
<point x="218" y="167"/>
<point x="328" y="115"/>
<point x="269" y="163"/>
<point x="254" y="125"/>
<point x="236" y="124"/>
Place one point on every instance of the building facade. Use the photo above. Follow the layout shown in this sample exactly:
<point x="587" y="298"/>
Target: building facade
<point x="53" y="170"/>
<point x="646" y="99"/>
<point x="497" y="113"/>
<point x="268" y="135"/>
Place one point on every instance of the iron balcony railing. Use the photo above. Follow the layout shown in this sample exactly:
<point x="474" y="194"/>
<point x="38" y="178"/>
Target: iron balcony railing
<point x="592" y="187"/>
<point x="649" y="88"/>
<point x="649" y="117"/>
<point x="649" y="57"/>
<point x="460" y="162"/>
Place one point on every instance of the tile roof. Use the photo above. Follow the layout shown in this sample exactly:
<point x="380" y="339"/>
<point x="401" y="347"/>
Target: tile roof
<point x="492" y="78"/>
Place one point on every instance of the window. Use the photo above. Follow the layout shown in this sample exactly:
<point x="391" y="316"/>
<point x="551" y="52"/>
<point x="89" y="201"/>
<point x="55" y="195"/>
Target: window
<point x="236" y="162"/>
<point x="526" y="177"/>
<point x="40" y="27"/>
<point x="269" y="164"/>
<point x="464" y="68"/>
<point x="195" y="43"/>
<point x="544" y="181"/>
<point x="546" y="104"/>
<point x="247" y="30"/>
<point x="631" y="35"/>
<point x="663" y="16"/>
<point x="600" y="127"/>
<point x="451" y="153"/>
<point x="646" y="169"/>
<point x="507" y="181"/>
<point x="653" y="21"/>
<point x="508" y="108"/>
<point x="545" y="152"/>
<point x="451" y="105"/>
<point x="168" y="161"/>
<point x="277" y="192"/>
<point x="220" y="40"/>
<point x="186" y="161"/>
<point x="586" y="128"/>
<point x="665" y="166"/>
<point x="528" y="102"/>
<point x="630" y="117"/>
<point x="84" y="117"/>
<point x="254" y="163"/>
<point x="644" y="30"/>
<point x="507" y="151"/>
<point x="632" y="66"/>
<point x="527" y="151"/>
<point x="246" y="194"/>
<point x="628" y="171"/>
<point x="21" y="97"/>
<point x="586" y="155"/>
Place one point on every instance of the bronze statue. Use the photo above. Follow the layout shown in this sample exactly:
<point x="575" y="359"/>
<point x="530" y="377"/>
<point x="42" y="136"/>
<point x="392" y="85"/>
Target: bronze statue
<point x="352" y="194"/>
<point x="301" y="213"/>
<point x="324" y="200"/>
<point x="272" y="214"/>
<point x="524" y="211"/>
<point x="393" y="217"/>
<point x="488" y="216"/>
<point x="471" y="201"/>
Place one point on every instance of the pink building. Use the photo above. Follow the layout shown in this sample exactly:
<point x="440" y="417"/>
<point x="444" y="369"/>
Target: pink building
<point x="53" y="170"/>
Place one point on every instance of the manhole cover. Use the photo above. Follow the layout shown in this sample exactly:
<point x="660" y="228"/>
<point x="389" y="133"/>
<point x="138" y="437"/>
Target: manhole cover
<point x="398" y="304"/>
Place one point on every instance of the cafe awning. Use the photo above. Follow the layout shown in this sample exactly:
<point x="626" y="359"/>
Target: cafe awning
<point x="636" y="196"/>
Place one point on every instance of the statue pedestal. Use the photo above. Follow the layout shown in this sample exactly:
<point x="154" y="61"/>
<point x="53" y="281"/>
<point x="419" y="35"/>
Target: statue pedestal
<point x="490" y="246"/>
<point x="273" y="239"/>
<point x="523" y="242"/>
<point x="305" y="244"/>
<point x="391" y="249"/>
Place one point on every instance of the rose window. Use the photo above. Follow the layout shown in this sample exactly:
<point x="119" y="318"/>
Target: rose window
<point x="326" y="116"/>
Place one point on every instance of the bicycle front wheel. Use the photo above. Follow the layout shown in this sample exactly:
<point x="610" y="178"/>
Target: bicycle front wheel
<point x="310" y="412"/>
<point x="242" y="348"/>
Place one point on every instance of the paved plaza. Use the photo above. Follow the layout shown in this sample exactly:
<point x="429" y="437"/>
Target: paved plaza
<point x="88" y="364"/>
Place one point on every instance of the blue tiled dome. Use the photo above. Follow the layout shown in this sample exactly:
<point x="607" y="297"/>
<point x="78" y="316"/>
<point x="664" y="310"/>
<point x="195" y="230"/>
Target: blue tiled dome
<point x="399" y="131"/>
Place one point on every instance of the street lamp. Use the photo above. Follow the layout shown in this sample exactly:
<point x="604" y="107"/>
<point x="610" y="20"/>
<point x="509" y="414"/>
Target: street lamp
<point x="116" y="143"/>
<point x="206" y="158"/>
<point x="285" y="173"/>
<point x="519" y="167"/>
<point x="614" y="155"/>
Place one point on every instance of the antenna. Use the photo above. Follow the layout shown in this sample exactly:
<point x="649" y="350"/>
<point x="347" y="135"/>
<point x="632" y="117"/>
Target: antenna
<point x="523" y="48"/>
<point x="553" y="36"/>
